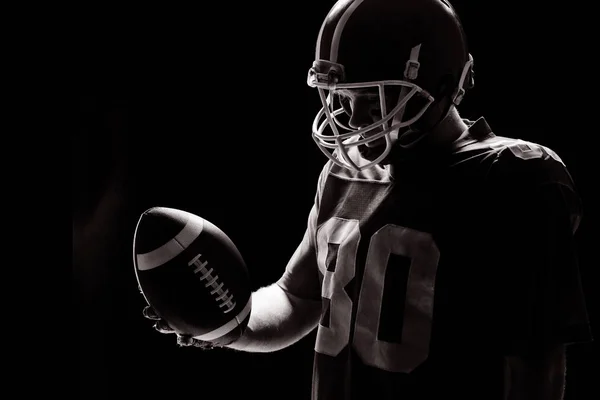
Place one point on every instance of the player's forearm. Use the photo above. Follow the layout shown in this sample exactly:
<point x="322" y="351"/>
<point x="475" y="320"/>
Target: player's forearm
<point x="277" y="320"/>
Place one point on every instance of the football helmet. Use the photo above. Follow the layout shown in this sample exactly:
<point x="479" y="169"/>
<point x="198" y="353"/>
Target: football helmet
<point x="412" y="51"/>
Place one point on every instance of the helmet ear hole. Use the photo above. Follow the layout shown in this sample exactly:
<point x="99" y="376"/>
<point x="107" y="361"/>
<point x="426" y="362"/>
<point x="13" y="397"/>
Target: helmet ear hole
<point x="446" y="87"/>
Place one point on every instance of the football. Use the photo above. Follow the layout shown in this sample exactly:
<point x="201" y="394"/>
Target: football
<point x="192" y="274"/>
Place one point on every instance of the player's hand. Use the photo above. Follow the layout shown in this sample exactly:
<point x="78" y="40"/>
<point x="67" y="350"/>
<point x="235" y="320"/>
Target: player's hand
<point x="163" y="327"/>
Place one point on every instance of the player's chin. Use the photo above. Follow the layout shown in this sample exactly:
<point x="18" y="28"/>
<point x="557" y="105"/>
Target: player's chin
<point x="373" y="150"/>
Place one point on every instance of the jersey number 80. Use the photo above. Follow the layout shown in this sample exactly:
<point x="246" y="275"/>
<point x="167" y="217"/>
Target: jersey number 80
<point x="424" y="256"/>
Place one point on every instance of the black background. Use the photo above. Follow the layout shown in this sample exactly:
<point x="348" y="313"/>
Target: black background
<point x="206" y="107"/>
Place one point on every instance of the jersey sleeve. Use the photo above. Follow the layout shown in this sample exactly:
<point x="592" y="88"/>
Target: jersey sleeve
<point x="301" y="277"/>
<point x="542" y="302"/>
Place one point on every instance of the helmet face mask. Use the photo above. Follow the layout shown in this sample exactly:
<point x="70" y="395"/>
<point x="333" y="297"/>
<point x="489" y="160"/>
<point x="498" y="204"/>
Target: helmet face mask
<point x="388" y="123"/>
<point x="381" y="48"/>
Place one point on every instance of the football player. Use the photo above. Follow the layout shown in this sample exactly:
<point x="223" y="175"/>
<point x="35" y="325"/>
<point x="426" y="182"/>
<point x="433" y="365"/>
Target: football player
<point x="439" y="258"/>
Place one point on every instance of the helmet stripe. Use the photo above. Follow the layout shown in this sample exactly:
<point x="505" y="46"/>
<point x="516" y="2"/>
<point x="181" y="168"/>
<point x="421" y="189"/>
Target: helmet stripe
<point x="331" y="31"/>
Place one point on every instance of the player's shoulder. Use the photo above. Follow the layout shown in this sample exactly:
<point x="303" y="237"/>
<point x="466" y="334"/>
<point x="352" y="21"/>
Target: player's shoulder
<point x="511" y="149"/>
<point x="509" y="157"/>
<point x="527" y="162"/>
<point x="518" y="169"/>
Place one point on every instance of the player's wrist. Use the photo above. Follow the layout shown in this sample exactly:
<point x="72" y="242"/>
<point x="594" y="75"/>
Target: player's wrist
<point x="241" y="343"/>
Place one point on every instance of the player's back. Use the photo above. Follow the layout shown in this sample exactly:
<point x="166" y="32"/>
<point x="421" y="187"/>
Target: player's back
<point x="416" y="281"/>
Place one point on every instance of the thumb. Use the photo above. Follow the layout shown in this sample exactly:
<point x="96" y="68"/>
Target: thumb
<point x="149" y="313"/>
<point x="163" y="327"/>
<point x="184" y="340"/>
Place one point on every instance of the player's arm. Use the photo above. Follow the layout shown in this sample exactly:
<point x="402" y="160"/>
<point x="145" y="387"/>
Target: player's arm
<point x="289" y="309"/>
<point x="536" y="376"/>
<point x="544" y="308"/>
<point x="278" y="319"/>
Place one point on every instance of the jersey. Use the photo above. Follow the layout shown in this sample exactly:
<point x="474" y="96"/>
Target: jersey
<point x="429" y="275"/>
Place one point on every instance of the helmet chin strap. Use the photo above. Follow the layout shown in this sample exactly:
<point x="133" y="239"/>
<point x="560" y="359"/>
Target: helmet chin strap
<point x="411" y="72"/>
<point x="467" y="71"/>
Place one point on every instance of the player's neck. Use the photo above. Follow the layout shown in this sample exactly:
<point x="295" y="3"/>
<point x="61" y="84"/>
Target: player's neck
<point x="448" y="130"/>
<point x="438" y="139"/>
<point x="440" y="136"/>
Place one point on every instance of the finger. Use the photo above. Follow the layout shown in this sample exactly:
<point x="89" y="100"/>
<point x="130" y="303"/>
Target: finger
<point x="204" y="345"/>
<point x="163" y="327"/>
<point x="185" y="340"/>
<point x="150" y="313"/>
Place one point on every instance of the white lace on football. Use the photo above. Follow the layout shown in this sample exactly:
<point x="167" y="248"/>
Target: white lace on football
<point x="222" y="296"/>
